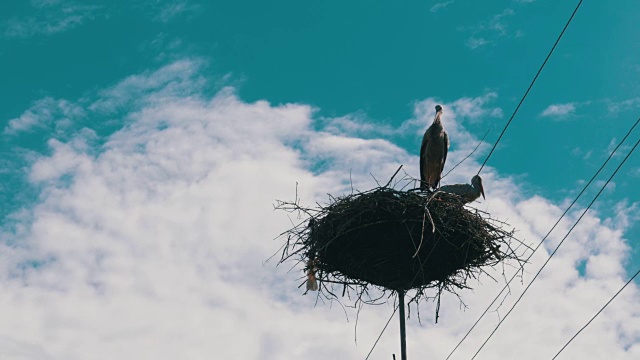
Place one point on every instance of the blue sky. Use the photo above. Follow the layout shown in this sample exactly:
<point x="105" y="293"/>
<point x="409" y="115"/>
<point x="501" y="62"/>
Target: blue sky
<point x="377" y="60"/>
<point x="118" y="115"/>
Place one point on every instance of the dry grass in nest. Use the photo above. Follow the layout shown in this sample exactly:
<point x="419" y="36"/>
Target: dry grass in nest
<point x="395" y="240"/>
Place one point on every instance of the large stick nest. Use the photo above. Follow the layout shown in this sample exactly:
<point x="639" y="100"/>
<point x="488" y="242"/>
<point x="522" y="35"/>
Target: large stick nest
<point x="396" y="240"/>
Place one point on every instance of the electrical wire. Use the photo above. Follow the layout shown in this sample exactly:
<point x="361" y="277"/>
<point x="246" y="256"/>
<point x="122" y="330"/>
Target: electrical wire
<point x="547" y="235"/>
<point x="513" y="115"/>
<point x="556" y="249"/>
<point x="382" y="332"/>
<point x="596" y="315"/>
<point x="531" y="85"/>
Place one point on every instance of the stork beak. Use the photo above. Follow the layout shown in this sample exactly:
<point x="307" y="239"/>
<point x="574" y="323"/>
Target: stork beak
<point x="482" y="191"/>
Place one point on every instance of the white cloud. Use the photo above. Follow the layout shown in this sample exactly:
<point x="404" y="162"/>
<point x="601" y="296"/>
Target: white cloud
<point x="490" y="30"/>
<point x="66" y="158"/>
<point x="51" y="17"/>
<point x="466" y="109"/>
<point x="560" y="110"/>
<point x="578" y="152"/>
<point x="475" y="108"/>
<point x="460" y="110"/>
<point x="171" y="10"/>
<point x="622" y="150"/>
<point x="177" y="78"/>
<point x="356" y="124"/>
<point x="164" y="47"/>
<point x="611" y="186"/>
<point x="439" y="6"/>
<point x="615" y="107"/>
<point x="152" y="247"/>
<point x="44" y="3"/>
<point x="42" y="113"/>
<point x="474" y="43"/>
<point x="497" y="22"/>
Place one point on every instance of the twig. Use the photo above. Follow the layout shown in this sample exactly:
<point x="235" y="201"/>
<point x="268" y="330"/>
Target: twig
<point x="394" y="175"/>
<point x="433" y="229"/>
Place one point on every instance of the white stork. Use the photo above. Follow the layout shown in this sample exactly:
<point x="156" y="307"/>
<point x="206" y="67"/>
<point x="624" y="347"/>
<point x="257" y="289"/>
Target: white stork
<point x="433" y="153"/>
<point x="468" y="192"/>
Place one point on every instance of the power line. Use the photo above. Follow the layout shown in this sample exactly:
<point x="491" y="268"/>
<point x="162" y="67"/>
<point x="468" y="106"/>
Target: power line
<point x="556" y="249"/>
<point x="531" y="85"/>
<point x="596" y="315"/>
<point x="547" y="235"/>
<point x="466" y="157"/>
<point x="382" y="332"/>
<point x="496" y="144"/>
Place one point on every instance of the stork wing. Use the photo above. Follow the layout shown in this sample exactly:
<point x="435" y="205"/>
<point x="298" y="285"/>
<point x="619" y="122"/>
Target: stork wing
<point x="446" y="150"/>
<point x="423" y="156"/>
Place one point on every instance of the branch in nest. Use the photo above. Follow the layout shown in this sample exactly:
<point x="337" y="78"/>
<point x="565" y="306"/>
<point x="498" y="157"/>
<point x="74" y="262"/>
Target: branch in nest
<point x="364" y="242"/>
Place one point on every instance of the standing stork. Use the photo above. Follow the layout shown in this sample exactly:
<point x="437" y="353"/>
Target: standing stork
<point x="468" y="192"/>
<point x="433" y="153"/>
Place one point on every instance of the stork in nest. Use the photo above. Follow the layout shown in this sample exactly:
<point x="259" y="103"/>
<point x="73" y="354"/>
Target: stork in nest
<point x="468" y="192"/>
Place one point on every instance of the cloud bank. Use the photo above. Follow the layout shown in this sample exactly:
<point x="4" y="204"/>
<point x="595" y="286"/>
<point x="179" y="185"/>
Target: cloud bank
<point x="150" y="243"/>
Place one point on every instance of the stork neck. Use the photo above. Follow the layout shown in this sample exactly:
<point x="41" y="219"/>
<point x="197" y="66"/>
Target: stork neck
<point x="437" y="124"/>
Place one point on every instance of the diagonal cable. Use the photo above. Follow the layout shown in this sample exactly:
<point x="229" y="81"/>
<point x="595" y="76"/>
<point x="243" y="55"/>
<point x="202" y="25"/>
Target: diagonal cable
<point x="531" y="85"/>
<point x="547" y="235"/>
<point x="556" y="249"/>
<point x="596" y="315"/>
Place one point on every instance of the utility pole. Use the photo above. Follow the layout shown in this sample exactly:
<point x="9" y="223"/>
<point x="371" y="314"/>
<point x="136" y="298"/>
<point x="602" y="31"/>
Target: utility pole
<point x="403" y="331"/>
